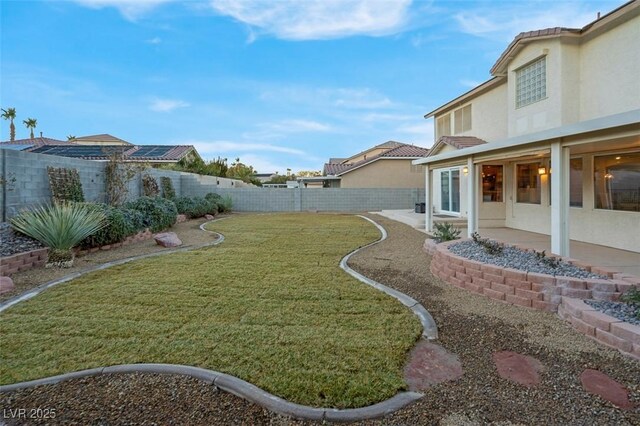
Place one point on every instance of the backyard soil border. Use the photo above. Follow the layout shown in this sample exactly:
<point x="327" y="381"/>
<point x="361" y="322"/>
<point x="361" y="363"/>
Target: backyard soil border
<point x="563" y="295"/>
<point x="233" y="384"/>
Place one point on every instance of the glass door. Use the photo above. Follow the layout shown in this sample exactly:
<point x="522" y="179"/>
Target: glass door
<point x="450" y="191"/>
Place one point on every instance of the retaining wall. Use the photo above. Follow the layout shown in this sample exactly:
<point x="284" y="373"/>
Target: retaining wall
<point x="563" y="295"/>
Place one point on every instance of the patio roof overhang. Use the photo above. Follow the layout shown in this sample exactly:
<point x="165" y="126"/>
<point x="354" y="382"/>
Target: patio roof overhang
<point x="526" y="144"/>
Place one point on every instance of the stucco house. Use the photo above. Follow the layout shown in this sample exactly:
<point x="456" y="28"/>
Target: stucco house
<point x="387" y="165"/>
<point x="102" y="139"/>
<point x="551" y="143"/>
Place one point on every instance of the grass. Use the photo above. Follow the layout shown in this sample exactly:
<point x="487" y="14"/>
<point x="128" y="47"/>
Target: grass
<point x="269" y="305"/>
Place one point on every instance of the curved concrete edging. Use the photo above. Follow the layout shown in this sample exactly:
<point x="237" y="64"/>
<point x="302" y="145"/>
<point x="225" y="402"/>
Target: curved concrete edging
<point x="35" y="291"/>
<point x="430" y="330"/>
<point x="231" y="383"/>
<point x="239" y="388"/>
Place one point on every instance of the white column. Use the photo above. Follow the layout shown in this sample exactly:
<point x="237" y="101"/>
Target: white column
<point x="428" y="199"/>
<point x="559" y="199"/>
<point x="472" y="198"/>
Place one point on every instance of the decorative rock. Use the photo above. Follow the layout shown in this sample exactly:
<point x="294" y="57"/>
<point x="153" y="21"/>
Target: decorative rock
<point x="430" y="364"/>
<point x="208" y="217"/>
<point x="518" y="368"/>
<point x="6" y="285"/>
<point x="168" y="239"/>
<point x="598" y="383"/>
<point x="181" y="218"/>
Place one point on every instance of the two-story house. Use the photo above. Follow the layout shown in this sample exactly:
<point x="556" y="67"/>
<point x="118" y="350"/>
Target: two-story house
<point x="551" y="143"/>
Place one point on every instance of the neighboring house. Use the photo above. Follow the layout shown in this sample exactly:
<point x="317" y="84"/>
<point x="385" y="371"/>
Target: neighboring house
<point x="264" y="177"/>
<point x="103" y="139"/>
<point x="387" y="165"/>
<point x="150" y="154"/>
<point x="561" y="122"/>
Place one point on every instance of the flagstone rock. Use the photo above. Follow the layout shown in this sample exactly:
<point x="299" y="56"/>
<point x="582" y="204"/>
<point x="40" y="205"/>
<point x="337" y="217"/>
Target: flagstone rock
<point x="518" y="368"/>
<point x="6" y="285"/>
<point x="598" y="383"/>
<point x="430" y="364"/>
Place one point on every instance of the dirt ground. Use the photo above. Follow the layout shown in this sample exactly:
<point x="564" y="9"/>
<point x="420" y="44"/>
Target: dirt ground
<point x="470" y="326"/>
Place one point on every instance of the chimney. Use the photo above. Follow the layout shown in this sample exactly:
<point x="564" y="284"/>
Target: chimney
<point x="598" y="15"/>
<point x="40" y="134"/>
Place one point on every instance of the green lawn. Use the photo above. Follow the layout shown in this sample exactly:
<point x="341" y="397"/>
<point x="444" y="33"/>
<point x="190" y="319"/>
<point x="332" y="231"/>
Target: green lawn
<point x="269" y="305"/>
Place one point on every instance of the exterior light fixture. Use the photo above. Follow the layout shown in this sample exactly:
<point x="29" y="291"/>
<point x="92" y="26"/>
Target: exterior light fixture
<point x="617" y="158"/>
<point x="465" y="170"/>
<point x="542" y="170"/>
<point x="608" y="176"/>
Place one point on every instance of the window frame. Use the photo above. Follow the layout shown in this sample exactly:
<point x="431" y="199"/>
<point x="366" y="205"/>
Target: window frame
<point x="461" y="112"/>
<point x="520" y="100"/>
<point x="593" y="178"/>
<point x="537" y="164"/>
<point x="502" y="183"/>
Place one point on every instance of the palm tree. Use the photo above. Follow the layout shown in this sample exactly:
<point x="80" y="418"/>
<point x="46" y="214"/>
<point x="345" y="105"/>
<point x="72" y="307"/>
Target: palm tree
<point x="30" y="123"/>
<point x="71" y="138"/>
<point x="10" y="114"/>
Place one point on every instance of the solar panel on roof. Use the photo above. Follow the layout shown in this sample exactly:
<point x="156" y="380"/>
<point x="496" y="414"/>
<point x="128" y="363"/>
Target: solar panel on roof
<point x="16" y="147"/>
<point x="152" y="151"/>
<point x="74" y="151"/>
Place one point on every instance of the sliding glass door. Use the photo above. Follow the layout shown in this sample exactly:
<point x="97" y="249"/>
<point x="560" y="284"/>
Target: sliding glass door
<point x="450" y="191"/>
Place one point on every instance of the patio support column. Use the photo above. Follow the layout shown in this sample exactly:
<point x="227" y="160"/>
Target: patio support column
<point x="428" y="200"/>
<point x="560" y="199"/>
<point x="472" y="197"/>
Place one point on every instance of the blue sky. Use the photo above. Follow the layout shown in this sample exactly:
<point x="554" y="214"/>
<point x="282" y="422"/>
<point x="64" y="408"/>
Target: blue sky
<point x="280" y="84"/>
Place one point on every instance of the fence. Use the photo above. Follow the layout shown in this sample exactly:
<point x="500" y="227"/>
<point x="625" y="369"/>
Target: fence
<point x="24" y="182"/>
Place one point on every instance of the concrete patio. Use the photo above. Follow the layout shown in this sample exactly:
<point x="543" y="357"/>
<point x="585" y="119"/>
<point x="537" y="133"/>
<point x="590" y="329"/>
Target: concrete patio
<point x="606" y="257"/>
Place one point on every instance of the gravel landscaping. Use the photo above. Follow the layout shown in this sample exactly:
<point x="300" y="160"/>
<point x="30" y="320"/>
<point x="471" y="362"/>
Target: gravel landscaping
<point x="14" y="243"/>
<point x="512" y="257"/>
<point x="471" y="326"/>
<point x="619" y="310"/>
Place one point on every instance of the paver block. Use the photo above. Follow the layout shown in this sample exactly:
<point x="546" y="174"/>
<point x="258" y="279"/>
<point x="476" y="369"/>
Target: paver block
<point x="616" y="342"/>
<point x="498" y="295"/>
<point x="430" y="364"/>
<point x="518" y="368"/>
<point x="582" y="326"/>
<point x="627" y="331"/>
<point x="598" y="319"/>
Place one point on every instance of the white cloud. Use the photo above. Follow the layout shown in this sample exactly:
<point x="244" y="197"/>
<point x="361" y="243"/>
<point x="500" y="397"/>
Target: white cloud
<point x="504" y="23"/>
<point x="130" y="9"/>
<point x="351" y="98"/>
<point x="382" y="117"/>
<point x="317" y="19"/>
<point x="155" y="40"/>
<point x="420" y="133"/>
<point x="469" y="83"/>
<point x="235" y="148"/>
<point x="295" y="126"/>
<point x="167" y="105"/>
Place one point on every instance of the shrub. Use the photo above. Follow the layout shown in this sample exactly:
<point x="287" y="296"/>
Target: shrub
<point x="632" y="297"/>
<point x="167" y="188"/>
<point x="225" y="204"/>
<point x="491" y="247"/>
<point x="65" y="184"/>
<point x="114" y="230"/>
<point x="134" y="220"/>
<point x="195" y="206"/>
<point x="60" y="226"/>
<point x="150" y="186"/>
<point x="159" y="213"/>
<point x="445" y="232"/>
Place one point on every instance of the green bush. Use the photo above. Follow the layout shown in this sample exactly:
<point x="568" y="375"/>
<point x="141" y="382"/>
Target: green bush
<point x="167" y="188"/>
<point x="195" y="206"/>
<point x="150" y="186"/>
<point x="60" y="226"/>
<point x="119" y="224"/>
<point x="445" y="232"/>
<point x="114" y="231"/>
<point x="159" y="213"/>
<point x="225" y="204"/>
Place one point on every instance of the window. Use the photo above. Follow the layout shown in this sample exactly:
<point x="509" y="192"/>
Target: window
<point x="462" y="120"/>
<point x="443" y="126"/>
<point x="491" y="183"/>
<point x="528" y="181"/>
<point x="575" y="182"/>
<point x="617" y="182"/>
<point x="531" y="83"/>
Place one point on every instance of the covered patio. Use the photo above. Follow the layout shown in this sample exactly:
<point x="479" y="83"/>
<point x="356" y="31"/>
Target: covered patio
<point x="596" y="255"/>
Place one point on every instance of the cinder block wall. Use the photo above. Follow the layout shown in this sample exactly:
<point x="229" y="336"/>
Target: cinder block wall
<point x="25" y="183"/>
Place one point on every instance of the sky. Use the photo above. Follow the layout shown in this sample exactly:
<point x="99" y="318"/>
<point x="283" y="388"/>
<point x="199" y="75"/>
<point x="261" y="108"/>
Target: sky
<point x="281" y="84"/>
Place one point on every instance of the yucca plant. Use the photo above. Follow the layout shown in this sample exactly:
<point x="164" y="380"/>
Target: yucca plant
<point x="60" y="226"/>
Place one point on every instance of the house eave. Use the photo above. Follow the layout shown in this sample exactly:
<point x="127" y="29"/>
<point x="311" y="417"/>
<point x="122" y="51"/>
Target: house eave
<point x="465" y="97"/>
<point x="373" y="161"/>
<point x="603" y="123"/>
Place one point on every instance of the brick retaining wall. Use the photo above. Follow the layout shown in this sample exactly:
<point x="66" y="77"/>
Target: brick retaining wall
<point x="544" y="292"/>
<point x="23" y="261"/>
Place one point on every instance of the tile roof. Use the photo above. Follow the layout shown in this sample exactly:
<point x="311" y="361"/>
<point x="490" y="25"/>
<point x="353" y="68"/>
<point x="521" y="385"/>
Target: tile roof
<point x="460" y="142"/>
<point x="39" y="141"/>
<point x="400" y="150"/>
<point x="106" y="138"/>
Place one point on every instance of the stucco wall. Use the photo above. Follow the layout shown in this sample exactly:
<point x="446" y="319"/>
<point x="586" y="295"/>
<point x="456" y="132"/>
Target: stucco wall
<point x="609" y="67"/>
<point x="386" y="173"/>
<point x="489" y="115"/>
